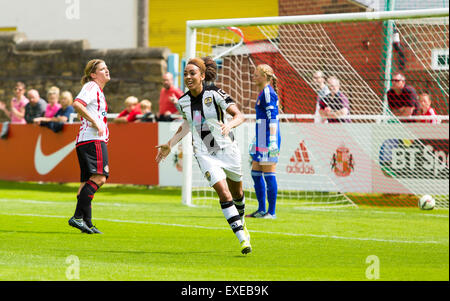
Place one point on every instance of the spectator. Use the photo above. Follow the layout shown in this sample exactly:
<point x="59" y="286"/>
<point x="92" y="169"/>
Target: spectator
<point x="35" y="107"/>
<point x="398" y="47"/>
<point x="402" y="98"/>
<point x="146" y="110"/>
<point x="17" y="105"/>
<point x="335" y="105"/>
<point x="319" y="81"/>
<point x="129" y="114"/>
<point x="56" y="122"/>
<point x="425" y="108"/>
<point x="168" y="98"/>
<point x="53" y="105"/>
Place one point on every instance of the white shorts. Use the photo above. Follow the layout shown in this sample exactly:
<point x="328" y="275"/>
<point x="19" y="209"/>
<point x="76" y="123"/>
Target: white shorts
<point x="225" y="163"/>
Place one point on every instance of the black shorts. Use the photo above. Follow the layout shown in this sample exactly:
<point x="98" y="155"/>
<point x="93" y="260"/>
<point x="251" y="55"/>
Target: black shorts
<point x="93" y="159"/>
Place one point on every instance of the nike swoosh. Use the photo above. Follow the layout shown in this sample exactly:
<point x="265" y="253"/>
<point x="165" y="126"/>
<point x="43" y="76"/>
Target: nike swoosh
<point x="46" y="163"/>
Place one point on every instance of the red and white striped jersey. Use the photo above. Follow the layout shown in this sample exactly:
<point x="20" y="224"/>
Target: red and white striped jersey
<point x="92" y="97"/>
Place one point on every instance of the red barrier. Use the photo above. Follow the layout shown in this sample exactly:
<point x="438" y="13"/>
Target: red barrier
<point x="35" y="153"/>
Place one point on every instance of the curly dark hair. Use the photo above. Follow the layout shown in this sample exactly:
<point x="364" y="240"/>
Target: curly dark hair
<point x="211" y="69"/>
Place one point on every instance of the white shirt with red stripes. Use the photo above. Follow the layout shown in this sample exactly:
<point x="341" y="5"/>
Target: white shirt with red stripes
<point x="92" y="97"/>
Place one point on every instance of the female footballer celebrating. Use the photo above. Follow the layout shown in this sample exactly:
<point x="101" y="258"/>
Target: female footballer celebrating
<point x="203" y="108"/>
<point x="266" y="147"/>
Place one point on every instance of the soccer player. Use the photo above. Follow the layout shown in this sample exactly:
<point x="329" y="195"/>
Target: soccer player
<point x="91" y="141"/>
<point x="266" y="146"/>
<point x="203" y="109"/>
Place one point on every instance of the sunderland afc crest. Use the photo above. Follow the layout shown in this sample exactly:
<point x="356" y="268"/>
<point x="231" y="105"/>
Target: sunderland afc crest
<point x="342" y="163"/>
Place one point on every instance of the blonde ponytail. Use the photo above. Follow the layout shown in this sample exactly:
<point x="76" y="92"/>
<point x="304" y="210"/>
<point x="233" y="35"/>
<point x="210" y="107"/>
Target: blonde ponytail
<point x="91" y="67"/>
<point x="269" y="75"/>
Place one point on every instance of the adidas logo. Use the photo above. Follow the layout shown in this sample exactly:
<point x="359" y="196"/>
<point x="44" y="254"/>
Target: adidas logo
<point x="301" y="154"/>
<point x="300" y="161"/>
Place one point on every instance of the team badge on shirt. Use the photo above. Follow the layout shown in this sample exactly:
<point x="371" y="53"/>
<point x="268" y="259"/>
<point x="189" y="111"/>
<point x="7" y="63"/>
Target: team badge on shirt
<point x="208" y="101"/>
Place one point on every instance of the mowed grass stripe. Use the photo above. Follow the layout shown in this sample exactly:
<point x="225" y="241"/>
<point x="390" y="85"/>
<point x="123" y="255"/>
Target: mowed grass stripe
<point x="150" y="235"/>
<point x="252" y="231"/>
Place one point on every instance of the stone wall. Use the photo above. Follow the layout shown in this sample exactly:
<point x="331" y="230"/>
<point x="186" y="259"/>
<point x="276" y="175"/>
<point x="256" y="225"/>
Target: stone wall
<point x="42" y="64"/>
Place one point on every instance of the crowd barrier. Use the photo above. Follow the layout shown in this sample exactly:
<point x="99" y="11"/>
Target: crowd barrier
<point x="35" y="153"/>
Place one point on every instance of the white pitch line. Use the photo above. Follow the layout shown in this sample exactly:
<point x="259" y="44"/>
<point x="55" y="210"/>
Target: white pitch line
<point x="295" y="208"/>
<point x="370" y="212"/>
<point x="253" y="231"/>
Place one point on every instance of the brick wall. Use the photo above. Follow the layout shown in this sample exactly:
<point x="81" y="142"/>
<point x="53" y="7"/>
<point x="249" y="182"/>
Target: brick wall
<point x="314" y="7"/>
<point x="42" y="64"/>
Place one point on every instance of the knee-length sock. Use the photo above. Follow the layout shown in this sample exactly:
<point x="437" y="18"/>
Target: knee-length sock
<point x="240" y="206"/>
<point x="260" y="189"/>
<point x="234" y="220"/>
<point x="272" y="191"/>
<point x="84" y="204"/>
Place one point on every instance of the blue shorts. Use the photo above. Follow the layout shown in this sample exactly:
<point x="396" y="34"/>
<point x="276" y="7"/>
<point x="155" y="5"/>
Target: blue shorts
<point x="261" y="154"/>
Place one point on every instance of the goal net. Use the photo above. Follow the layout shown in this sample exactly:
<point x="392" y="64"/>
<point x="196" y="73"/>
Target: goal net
<point x="372" y="157"/>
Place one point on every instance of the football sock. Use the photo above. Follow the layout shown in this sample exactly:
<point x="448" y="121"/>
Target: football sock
<point x="260" y="189"/>
<point x="84" y="202"/>
<point x="272" y="190"/>
<point x="232" y="216"/>
<point x="78" y="210"/>
<point x="240" y="206"/>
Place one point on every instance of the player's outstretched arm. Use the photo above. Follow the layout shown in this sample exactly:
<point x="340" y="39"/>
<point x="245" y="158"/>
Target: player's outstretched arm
<point x="164" y="149"/>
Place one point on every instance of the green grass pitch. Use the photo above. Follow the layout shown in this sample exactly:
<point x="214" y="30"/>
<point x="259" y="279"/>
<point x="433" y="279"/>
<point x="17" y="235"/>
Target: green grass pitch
<point x="150" y="235"/>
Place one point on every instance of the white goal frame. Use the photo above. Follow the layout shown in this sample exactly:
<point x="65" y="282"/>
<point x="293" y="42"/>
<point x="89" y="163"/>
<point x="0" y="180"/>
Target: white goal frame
<point x="193" y="25"/>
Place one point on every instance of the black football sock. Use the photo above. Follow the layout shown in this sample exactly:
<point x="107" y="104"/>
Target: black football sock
<point x="85" y="199"/>
<point x="78" y="210"/>
<point x="240" y="205"/>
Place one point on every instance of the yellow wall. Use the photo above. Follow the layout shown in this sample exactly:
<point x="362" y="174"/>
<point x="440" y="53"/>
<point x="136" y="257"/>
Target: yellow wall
<point x="167" y="18"/>
<point x="8" y="29"/>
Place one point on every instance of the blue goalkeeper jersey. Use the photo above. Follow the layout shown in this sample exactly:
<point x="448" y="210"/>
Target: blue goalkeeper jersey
<point x="266" y="117"/>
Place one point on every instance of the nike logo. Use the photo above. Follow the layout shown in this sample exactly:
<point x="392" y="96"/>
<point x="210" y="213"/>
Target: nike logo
<point x="46" y="163"/>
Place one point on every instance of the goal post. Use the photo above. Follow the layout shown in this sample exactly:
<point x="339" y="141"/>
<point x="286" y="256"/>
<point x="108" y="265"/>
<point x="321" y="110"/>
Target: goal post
<point x="376" y="158"/>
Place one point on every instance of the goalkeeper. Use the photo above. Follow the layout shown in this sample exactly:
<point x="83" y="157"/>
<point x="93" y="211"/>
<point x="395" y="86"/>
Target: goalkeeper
<point x="266" y="145"/>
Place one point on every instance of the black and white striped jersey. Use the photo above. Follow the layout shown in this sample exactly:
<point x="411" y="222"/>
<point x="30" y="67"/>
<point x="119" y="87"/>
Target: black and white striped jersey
<point x="204" y="114"/>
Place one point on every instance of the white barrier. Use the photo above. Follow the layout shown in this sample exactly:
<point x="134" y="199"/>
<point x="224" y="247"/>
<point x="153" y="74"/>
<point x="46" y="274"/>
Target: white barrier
<point x="374" y="118"/>
<point x="366" y="143"/>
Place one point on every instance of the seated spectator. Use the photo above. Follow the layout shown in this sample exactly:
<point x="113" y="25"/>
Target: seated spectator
<point x="402" y="98"/>
<point x="168" y="97"/>
<point x="16" y="110"/>
<point x="35" y="107"/>
<point x="56" y="122"/>
<point x="146" y="110"/>
<point x="129" y="114"/>
<point x="53" y="105"/>
<point x="335" y="105"/>
<point x="425" y="108"/>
